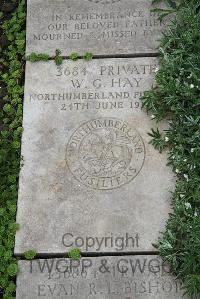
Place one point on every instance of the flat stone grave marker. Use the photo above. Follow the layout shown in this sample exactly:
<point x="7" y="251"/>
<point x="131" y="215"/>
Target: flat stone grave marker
<point x="103" y="27"/>
<point x="124" y="277"/>
<point x="90" y="178"/>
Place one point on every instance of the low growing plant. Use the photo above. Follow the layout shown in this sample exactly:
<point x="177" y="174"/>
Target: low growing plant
<point x="74" y="254"/>
<point x="88" y="56"/>
<point x="12" y="79"/>
<point x="177" y="97"/>
<point x="30" y="254"/>
<point x="58" y="58"/>
<point x="34" y="57"/>
<point x="73" y="56"/>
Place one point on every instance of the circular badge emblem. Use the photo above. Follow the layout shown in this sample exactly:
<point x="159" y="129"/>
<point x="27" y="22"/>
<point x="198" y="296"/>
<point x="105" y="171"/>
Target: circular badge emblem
<point x="105" y="153"/>
<point x="104" y="1"/>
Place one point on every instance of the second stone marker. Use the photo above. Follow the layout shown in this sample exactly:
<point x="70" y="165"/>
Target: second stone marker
<point x="126" y="277"/>
<point x="90" y="178"/>
<point x="108" y="27"/>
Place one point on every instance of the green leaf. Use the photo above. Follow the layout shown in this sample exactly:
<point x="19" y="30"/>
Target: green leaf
<point x="12" y="269"/>
<point x="16" y="144"/>
<point x="73" y="56"/>
<point x="58" y="52"/>
<point x="74" y="254"/>
<point x="34" y="57"/>
<point x="58" y="60"/>
<point x="30" y="254"/>
<point x="157" y="140"/>
<point x="88" y="56"/>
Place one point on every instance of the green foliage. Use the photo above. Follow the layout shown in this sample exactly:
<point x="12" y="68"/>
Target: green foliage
<point x="58" y="52"/>
<point x="58" y="58"/>
<point x="88" y="56"/>
<point x="74" y="254"/>
<point x="9" y="291"/>
<point x="73" y="56"/>
<point x="34" y="57"/>
<point x="12" y="269"/>
<point x="172" y="6"/>
<point x="157" y="140"/>
<point x="11" y="74"/>
<point x="177" y="97"/>
<point x="30" y="254"/>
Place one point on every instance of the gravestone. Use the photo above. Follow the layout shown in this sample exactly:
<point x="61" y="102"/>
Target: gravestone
<point x="90" y="178"/>
<point x="103" y="27"/>
<point x="126" y="277"/>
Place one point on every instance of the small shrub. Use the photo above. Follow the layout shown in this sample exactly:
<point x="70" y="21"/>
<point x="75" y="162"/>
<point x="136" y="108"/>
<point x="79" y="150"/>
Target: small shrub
<point x="30" y="254"/>
<point x="74" y="56"/>
<point x="34" y="57"/>
<point x="74" y="254"/>
<point x="88" y="56"/>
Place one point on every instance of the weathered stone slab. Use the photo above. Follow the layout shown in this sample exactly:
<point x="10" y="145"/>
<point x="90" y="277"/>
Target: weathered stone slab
<point x="103" y="27"/>
<point x="90" y="177"/>
<point x="126" y="277"/>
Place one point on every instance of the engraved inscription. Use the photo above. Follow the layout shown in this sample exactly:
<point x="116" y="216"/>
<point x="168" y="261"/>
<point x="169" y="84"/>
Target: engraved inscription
<point x="105" y="153"/>
<point x="110" y="25"/>
<point x="100" y="26"/>
<point x="116" y="277"/>
<point x="112" y="87"/>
